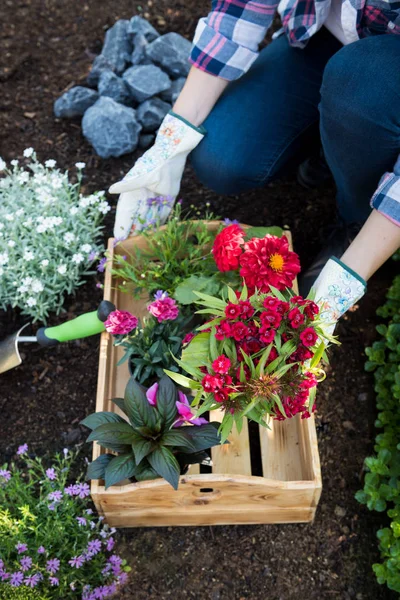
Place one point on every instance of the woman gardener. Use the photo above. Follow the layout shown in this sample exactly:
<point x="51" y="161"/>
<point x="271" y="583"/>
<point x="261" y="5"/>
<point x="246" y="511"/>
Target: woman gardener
<point x="244" y="116"/>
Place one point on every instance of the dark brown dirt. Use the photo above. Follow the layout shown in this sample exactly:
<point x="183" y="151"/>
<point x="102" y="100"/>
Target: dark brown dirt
<point x="46" y="46"/>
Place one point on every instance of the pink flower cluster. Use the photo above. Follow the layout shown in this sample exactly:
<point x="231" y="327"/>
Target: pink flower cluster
<point x="120" y="322"/>
<point x="163" y="308"/>
<point x="184" y="412"/>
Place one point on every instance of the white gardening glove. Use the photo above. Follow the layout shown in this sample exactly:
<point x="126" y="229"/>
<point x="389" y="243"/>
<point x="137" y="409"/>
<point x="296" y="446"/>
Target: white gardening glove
<point x="156" y="175"/>
<point x="336" y="289"/>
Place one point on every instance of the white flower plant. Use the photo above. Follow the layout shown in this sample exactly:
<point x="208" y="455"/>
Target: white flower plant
<point x="49" y="235"/>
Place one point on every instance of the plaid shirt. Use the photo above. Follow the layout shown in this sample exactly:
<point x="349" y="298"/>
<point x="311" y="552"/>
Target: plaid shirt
<point x="226" y="45"/>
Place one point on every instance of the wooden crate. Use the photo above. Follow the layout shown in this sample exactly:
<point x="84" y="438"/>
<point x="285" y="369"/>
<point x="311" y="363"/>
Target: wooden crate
<point x="287" y="492"/>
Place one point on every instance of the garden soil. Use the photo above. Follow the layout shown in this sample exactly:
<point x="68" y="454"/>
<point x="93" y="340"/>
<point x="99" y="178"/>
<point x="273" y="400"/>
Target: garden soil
<point x="47" y="46"/>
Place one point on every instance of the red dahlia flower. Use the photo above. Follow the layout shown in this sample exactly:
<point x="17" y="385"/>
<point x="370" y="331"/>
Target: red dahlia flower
<point x="221" y="364"/>
<point x="268" y="262"/>
<point x="228" y="247"/>
<point x="308" y="337"/>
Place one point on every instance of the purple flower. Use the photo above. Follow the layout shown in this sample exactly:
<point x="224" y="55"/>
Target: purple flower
<point x="110" y="544"/>
<point x="89" y="511"/>
<point x="185" y="413"/>
<point x="54" y="581"/>
<point x="52" y="565"/>
<point x="4" y="576"/>
<point x="99" y="286"/>
<point x="77" y="561"/>
<point x="6" y="475"/>
<point x="160" y="295"/>
<point x="102" y="265"/>
<point x="82" y="490"/>
<point x="33" y="580"/>
<point x="70" y="490"/>
<point x="229" y="222"/>
<point x="41" y="550"/>
<point x="101" y="592"/>
<point x="117" y="241"/>
<point x="52" y="506"/>
<point x="92" y="256"/>
<point x="151" y="394"/>
<point x="123" y="578"/>
<point x="26" y="563"/>
<point x="22" y="449"/>
<point x="115" y="560"/>
<point x="21" y="548"/>
<point x="81" y="520"/>
<point x="94" y="547"/>
<point x="56" y="495"/>
<point x="51" y="474"/>
<point x="16" y="579"/>
<point x="65" y="451"/>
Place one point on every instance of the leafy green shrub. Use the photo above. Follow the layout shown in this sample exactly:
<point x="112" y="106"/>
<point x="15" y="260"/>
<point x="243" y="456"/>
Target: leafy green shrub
<point x="49" y="235"/>
<point x="382" y="483"/>
<point x="51" y="541"/>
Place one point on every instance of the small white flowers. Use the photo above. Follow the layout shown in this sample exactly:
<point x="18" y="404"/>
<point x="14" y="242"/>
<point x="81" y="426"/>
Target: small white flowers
<point x="104" y="207"/>
<point x="28" y="255"/>
<point x="69" y="237"/>
<point x="78" y="258"/>
<point x="49" y="234"/>
<point x="80" y="165"/>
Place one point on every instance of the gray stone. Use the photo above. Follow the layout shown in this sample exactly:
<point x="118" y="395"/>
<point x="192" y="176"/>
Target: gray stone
<point x="100" y="64"/>
<point x="151" y="112"/>
<point x="145" y="81"/>
<point x="172" y="94"/>
<point x="171" y="52"/>
<point x="117" y="47"/>
<point x="139" y="55"/>
<point x="138" y="25"/>
<point x="111" y="128"/>
<point x="146" y="140"/>
<point x="114" y="87"/>
<point x="74" y="102"/>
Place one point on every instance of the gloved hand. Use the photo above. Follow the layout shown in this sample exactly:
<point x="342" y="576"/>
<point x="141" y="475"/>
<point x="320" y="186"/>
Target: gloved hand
<point x="336" y="289"/>
<point x="157" y="173"/>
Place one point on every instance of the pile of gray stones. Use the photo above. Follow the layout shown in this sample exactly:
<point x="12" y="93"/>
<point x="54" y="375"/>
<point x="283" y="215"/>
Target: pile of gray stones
<point x="133" y="82"/>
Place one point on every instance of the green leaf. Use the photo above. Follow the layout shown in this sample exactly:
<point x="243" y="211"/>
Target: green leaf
<point x="261" y="232"/>
<point x="179" y="379"/>
<point x="178" y="438"/>
<point x="197" y="353"/>
<point x="97" y="468"/>
<point x="211" y="301"/>
<point x="165" y="464"/>
<point x="213" y="345"/>
<point x="100" y="418"/>
<point x="110" y="433"/>
<point x="279" y="403"/>
<point x="119" y="468"/>
<point x="142" y="447"/>
<point x="262" y="363"/>
<point x="145" y="472"/>
<point x="139" y="410"/>
<point x="226" y="427"/>
<point x="167" y="396"/>
<point x="203" y="437"/>
<point x="318" y="355"/>
<point x="185" y="292"/>
<point x="120" y="402"/>
<point x="244" y="293"/>
<point x="232" y="296"/>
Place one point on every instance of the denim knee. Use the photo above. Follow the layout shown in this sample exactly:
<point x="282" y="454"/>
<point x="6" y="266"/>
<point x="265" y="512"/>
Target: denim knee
<point x="222" y="171"/>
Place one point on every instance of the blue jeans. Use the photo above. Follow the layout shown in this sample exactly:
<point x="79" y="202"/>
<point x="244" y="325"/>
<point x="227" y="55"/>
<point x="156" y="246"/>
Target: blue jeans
<point x="272" y="117"/>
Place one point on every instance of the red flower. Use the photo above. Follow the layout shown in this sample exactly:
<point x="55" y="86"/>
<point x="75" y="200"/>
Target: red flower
<point x="267" y="335"/>
<point x="254" y="346"/>
<point x="233" y="311"/>
<point x="247" y="309"/>
<point x="227" y="379"/>
<point x="268" y="261"/>
<point x="228" y="247"/>
<point x="311" y="309"/>
<point x="303" y="353"/>
<point x="221" y="364"/>
<point x="187" y="339"/>
<point x="239" y="331"/>
<point x="271" y="302"/>
<point x="309" y="382"/>
<point x="211" y="383"/>
<point x="223" y="331"/>
<point x="221" y="395"/>
<point x="296" y="318"/>
<point x="308" y="337"/>
<point x="282" y="307"/>
<point x="271" y="319"/>
<point x="299" y="300"/>
<point x="272" y="355"/>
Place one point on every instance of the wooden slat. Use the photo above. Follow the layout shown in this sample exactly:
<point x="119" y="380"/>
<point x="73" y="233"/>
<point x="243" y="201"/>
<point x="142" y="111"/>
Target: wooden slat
<point x="235" y="456"/>
<point x="281" y="454"/>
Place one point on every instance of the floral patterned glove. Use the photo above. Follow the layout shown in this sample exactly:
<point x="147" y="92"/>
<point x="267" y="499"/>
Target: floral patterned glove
<point x="150" y="188"/>
<point x="337" y="289"/>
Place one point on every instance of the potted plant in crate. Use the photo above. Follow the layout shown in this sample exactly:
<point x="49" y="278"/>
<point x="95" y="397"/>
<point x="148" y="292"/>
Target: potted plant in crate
<point x="161" y="437"/>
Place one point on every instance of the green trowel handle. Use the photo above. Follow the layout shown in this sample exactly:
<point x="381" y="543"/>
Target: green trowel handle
<point x="81" y="327"/>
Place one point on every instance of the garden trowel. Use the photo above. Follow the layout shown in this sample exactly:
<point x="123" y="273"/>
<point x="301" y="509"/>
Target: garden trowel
<point x="81" y="327"/>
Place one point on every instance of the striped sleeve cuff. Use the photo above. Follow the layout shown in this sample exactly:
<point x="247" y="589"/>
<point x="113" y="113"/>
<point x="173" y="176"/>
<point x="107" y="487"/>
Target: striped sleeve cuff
<point x="216" y="54"/>
<point x="386" y="199"/>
